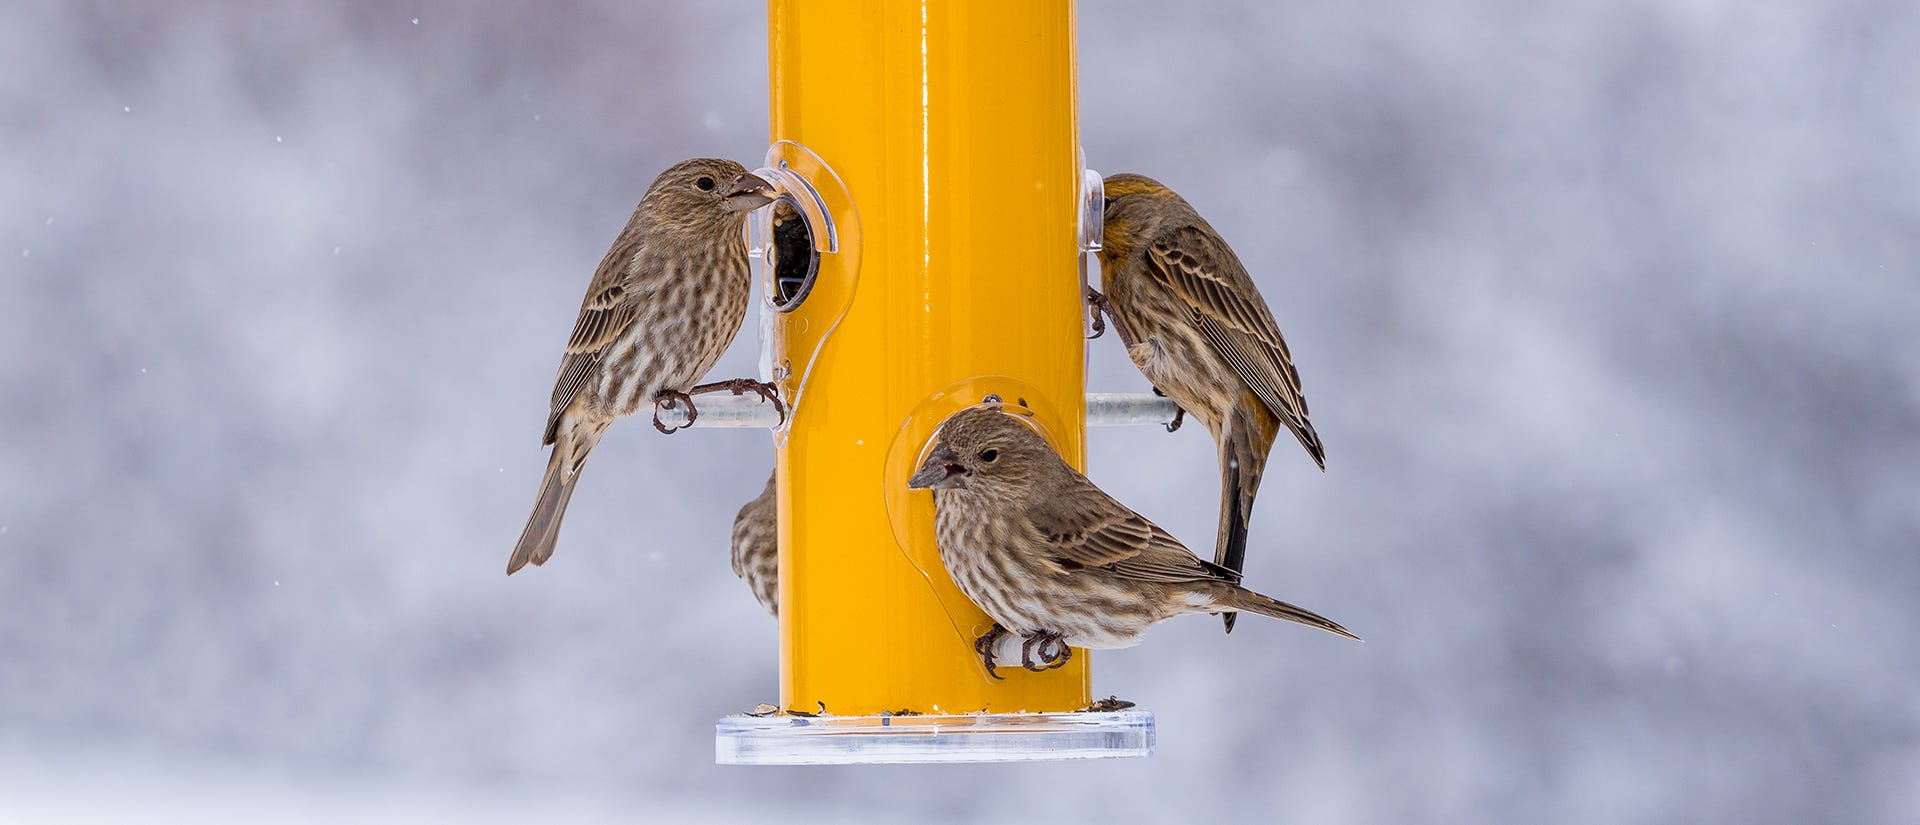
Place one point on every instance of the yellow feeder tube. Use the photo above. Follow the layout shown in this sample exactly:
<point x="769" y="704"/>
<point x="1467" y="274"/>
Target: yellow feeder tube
<point x="953" y="125"/>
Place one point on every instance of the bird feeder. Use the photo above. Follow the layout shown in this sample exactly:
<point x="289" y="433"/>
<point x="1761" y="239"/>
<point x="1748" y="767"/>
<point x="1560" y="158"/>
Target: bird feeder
<point x="928" y="250"/>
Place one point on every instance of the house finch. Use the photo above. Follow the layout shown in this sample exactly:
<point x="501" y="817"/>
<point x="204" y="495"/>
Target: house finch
<point x="1193" y="322"/>
<point x="664" y="304"/>
<point x="1052" y="558"/>
<point x="756" y="547"/>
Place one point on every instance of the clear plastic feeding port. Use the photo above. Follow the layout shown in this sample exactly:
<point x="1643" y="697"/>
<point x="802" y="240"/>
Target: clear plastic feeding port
<point x="806" y="253"/>
<point x="1092" y="226"/>
<point x="791" y="235"/>
<point x="1093" y="210"/>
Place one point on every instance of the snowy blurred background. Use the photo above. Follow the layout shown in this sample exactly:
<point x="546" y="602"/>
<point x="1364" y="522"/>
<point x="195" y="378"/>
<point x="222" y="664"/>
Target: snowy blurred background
<point x="1609" y="314"/>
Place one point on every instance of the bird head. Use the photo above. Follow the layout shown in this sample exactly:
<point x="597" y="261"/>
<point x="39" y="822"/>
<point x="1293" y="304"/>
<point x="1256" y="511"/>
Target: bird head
<point x="1134" y="203"/>
<point x="704" y="191"/>
<point x="984" y="448"/>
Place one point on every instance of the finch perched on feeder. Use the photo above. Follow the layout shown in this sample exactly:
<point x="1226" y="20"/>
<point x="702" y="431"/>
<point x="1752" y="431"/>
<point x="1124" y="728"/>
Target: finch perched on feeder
<point x="664" y="304"/>
<point x="1055" y="560"/>
<point x="756" y="547"/>
<point x="1194" y="323"/>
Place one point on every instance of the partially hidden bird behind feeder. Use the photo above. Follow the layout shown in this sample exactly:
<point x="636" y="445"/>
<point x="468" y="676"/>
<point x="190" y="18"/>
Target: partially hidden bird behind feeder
<point x="756" y="546"/>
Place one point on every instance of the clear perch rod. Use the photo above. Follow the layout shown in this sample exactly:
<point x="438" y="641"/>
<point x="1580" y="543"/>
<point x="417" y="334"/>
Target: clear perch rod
<point x="1104" y="409"/>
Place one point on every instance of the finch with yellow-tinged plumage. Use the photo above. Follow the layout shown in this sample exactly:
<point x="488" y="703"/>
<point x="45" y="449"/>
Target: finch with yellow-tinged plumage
<point x="1054" y="559"/>
<point x="1194" y="323"/>
<point x="664" y="304"/>
<point x="756" y="547"/>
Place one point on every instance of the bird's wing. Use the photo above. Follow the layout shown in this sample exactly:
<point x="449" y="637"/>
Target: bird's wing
<point x="1227" y="308"/>
<point x="606" y="315"/>
<point x="1087" y="528"/>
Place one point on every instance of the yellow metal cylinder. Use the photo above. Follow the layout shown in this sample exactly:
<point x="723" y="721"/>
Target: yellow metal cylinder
<point x="954" y="125"/>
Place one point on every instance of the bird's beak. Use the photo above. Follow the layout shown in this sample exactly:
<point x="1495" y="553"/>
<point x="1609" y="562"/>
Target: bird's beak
<point x="749" y="192"/>
<point x="941" y="468"/>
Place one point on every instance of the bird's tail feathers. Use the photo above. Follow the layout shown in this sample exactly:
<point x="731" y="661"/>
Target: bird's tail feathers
<point x="1230" y="546"/>
<point x="1303" y="430"/>
<point x="1240" y="598"/>
<point x="1244" y="443"/>
<point x="543" y="527"/>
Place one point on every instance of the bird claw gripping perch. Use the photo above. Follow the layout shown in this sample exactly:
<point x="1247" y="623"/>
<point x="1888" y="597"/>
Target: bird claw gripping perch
<point x="1099" y="305"/>
<point x="1043" y="643"/>
<point x="741" y="386"/>
<point x="1179" y="413"/>
<point x="668" y="399"/>
<point x="984" y="647"/>
<point x="1096" y="318"/>
<point x="672" y="399"/>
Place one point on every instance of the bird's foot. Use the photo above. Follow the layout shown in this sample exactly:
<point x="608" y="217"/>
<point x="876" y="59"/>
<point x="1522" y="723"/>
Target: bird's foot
<point x="1097" y="319"/>
<point x="984" y="647"/>
<point x="1052" y="648"/>
<point x="1098" y="305"/>
<point x="741" y="386"/>
<point x="672" y="399"/>
<point x="1179" y="413"/>
<point x="1065" y="653"/>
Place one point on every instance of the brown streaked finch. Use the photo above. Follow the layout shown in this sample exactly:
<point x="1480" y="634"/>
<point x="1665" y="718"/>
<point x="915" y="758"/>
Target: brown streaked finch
<point x="1052" y="558"/>
<point x="1195" y="324"/>
<point x="756" y="546"/>
<point x="664" y="304"/>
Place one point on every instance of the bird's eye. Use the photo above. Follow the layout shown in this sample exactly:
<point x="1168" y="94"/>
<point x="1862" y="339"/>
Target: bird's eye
<point x="989" y="455"/>
<point x="704" y="183"/>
